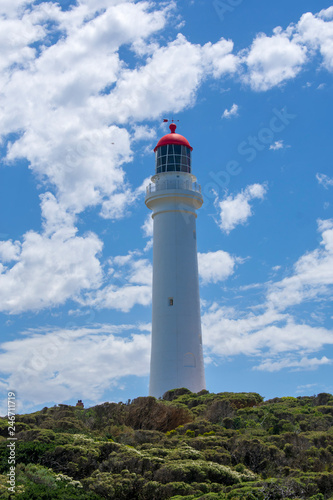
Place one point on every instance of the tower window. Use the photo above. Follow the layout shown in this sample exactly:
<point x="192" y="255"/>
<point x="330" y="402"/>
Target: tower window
<point x="189" y="360"/>
<point x="170" y="301"/>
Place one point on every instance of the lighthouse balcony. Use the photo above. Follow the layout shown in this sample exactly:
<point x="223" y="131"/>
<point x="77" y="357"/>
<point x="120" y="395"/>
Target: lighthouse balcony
<point x="173" y="184"/>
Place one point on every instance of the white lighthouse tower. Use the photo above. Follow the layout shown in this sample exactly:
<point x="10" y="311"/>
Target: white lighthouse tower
<point x="174" y="196"/>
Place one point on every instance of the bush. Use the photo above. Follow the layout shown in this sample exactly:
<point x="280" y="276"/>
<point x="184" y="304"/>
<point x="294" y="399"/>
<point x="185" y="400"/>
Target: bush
<point x="154" y="453"/>
<point x="42" y="492"/>
<point x="26" y="452"/>
<point x="149" y="414"/>
<point x="200" y="471"/>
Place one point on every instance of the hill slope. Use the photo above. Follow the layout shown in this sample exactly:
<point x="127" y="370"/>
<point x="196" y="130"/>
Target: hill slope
<point x="207" y="446"/>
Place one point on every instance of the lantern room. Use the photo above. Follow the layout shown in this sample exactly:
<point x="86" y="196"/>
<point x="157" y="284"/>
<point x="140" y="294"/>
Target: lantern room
<point x="173" y="153"/>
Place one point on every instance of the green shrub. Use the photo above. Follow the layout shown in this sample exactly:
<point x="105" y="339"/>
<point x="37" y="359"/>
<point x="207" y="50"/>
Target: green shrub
<point x="196" y="446"/>
<point x="200" y="471"/>
<point x="42" y="492"/>
<point x="26" y="452"/>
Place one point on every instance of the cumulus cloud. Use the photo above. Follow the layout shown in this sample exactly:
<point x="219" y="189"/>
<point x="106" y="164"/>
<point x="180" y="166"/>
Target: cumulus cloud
<point x="79" y="96"/>
<point x="144" y="93"/>
<point x="273" y="60"/>
<point x="143" y="133"/>
<point x="271" y="333"/>
<point x="233" y="111"/>
<point x="275" y="337"/>
<point x="117" y="206"/>
<point x="54" y="365"/>
<point x="122" y="298"/>
<point x="81" y="92"/>
<point x="218" y="59"/>
<point x="235" y="210"/>
<point x="147" y="226"/>
<point x="9" y="250"/>
<point x="316" y="31"/>
<point x="49" y="270"/>
<point x="312" y="274"/>
<point x="277" y="145"/>
<point x="130" y="283"/>
<point x="272" y="339"/>
<point x="65" y="140"/>
<point x="147" y="229"/>
<point x="216" y="266"/>
<point x="70" y="105"/>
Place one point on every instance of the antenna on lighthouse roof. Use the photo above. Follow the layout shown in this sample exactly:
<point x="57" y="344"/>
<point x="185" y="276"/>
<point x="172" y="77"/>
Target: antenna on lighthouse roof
<point x="167" y="120"/>
<point x="172" y="125"/>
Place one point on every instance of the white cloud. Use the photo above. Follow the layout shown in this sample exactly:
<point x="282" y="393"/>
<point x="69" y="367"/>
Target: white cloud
<point x="273" y="60"/>
<point x="77" y="86"/>
<point x="55" y="217"/>
<point x="324" y="224"/>
<point x="277" y="145"/>
<point x="50" y="267"/>
<point x="121" y="298"/>
<point x="218" y="59"/>
<point x="216" y="266"/>
<point x="324" y="180"/>
<point x="62" y="364"/>
<point x="67" y="101"/>
<point x="49" y="270"/>
<point x="131" y="284"/>
<point x="228" y="334"/>
<point x="326" y="13"/>
<point x="9" y="250"/>
<point x="304" y="388"/>
<point x="54" y="266"/>
<point x="117" y="206"/>
<point x="64" y="139"/>
<point x="143" y="133"/>
<point x="302" y="364"/>
<point x="233" y="111"/>
<point x="147" y="226"/>
<point x="144" y="93"/>
<point x="275" y="336"/>
<point x="272" y="336"/>
<point x="236" y="210"/>
<point x="316" y="31"/>
<point x="312" y="277"/>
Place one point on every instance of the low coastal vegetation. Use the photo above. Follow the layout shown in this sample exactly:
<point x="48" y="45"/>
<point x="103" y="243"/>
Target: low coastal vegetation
<point x="225" y="446"/>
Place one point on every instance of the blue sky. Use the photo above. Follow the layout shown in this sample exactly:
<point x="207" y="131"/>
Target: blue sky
<point x="84" y="89"/>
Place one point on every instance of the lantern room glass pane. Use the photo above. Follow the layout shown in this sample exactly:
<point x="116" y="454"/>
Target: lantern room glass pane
<point x="173" y="157"/>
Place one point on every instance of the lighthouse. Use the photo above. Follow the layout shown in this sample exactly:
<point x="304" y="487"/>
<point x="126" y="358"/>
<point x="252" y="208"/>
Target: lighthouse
<point x="174" y="197"/>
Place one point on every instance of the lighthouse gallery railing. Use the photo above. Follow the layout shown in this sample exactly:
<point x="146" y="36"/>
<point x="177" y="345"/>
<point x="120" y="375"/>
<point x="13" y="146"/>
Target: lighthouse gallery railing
<point x="173" y="184"/>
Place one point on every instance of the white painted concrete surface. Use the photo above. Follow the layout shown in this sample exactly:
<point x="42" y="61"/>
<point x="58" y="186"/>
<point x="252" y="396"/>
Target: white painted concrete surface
<point x="176" y="355"/>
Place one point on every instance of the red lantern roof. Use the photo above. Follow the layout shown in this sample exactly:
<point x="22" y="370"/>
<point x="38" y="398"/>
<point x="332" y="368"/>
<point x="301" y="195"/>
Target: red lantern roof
<point x="173" y="138"/>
